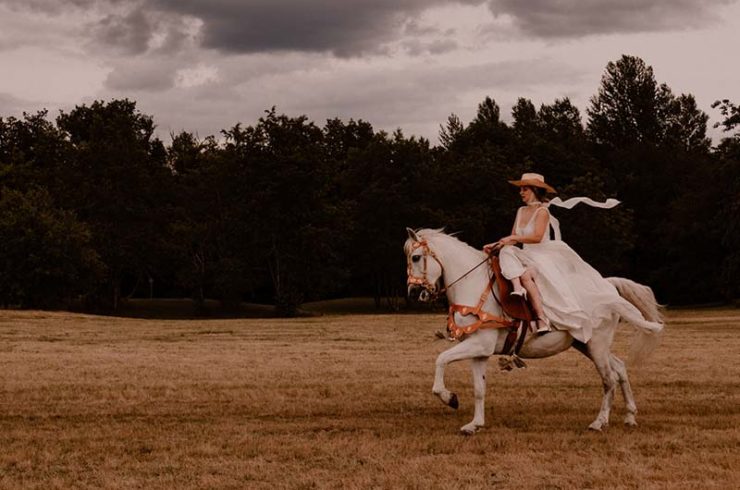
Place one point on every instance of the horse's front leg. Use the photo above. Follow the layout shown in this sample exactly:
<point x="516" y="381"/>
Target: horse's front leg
<point x="478" y="366"/>
<point x="477" y="345"/>
<point x="439" y="388"/>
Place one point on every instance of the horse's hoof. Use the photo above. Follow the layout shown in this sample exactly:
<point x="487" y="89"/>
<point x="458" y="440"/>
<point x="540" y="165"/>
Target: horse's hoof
<point x="453" y="402"/>
<point x="469" y="430"/>
<point x="596" y="426"/>
<point x="630" y="421"/>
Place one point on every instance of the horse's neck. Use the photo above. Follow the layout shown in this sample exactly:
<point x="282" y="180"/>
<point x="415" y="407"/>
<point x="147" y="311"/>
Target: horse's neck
<point x="469" y="290"/>
<point x="457" y="262"/>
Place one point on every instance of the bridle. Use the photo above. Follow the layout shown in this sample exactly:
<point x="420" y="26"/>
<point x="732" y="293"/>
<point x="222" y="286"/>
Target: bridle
<point x="423" y="281"/>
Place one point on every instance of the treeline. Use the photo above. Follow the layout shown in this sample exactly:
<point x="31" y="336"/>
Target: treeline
<point x="94" y="208"/>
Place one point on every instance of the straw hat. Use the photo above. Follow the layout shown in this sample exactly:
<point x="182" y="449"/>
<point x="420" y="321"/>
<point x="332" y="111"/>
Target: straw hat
<point x="535" y="180"/>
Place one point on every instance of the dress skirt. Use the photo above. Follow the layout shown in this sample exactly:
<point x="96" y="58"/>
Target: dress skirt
<point x="575" y="297"/>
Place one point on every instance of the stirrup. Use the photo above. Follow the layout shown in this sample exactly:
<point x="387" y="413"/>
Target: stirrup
<point x="545" y="327"/>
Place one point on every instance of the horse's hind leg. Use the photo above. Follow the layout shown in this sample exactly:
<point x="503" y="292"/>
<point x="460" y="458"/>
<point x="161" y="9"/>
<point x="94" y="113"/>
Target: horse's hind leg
<point x="624" y="382"/>
<point x="478" y="367"/>
<point x="598" y="351"/>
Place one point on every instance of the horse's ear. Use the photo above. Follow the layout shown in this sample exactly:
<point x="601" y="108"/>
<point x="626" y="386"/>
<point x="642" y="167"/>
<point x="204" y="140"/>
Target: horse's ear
<point x="412" y="234"/>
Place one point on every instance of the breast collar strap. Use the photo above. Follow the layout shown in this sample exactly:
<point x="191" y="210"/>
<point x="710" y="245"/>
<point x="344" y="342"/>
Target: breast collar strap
<point x="485" y="319"/>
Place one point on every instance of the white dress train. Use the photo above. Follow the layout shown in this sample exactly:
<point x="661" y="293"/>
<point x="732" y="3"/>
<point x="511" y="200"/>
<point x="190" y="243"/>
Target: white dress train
<point x="575" y="297"/>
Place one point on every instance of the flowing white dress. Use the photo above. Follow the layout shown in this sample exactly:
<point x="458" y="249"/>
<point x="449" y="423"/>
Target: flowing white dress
<point x="575" y="297"/>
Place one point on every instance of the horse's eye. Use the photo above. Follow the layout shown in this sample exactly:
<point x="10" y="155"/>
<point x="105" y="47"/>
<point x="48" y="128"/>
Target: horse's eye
<point x="416" y="258"/>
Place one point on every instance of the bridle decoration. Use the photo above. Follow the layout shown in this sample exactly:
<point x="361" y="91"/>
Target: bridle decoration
<point x="423" y="281"/>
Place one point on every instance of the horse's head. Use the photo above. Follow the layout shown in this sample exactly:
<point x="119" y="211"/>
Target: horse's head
<point x="424" y="270"/>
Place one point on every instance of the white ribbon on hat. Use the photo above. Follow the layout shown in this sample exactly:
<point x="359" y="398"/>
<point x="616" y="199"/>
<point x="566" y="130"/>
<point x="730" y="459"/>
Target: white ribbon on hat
<point x="570" y="203"/>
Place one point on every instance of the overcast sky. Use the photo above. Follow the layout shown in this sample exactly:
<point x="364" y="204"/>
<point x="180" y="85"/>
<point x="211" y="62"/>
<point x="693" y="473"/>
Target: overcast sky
<point x="204" y="65"/>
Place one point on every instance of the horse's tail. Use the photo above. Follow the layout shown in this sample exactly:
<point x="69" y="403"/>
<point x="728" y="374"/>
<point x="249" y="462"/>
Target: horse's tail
<point x="650" y="326"/>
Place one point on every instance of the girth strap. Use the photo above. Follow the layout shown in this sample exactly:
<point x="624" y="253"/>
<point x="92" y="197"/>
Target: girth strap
<point x="515" y="338"/>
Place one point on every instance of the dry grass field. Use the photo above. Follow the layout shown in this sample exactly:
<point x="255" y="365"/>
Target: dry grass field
<point x="346" y="402"/>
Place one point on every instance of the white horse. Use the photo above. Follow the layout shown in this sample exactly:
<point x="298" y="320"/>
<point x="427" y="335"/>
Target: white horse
<point x="434" y="257"/>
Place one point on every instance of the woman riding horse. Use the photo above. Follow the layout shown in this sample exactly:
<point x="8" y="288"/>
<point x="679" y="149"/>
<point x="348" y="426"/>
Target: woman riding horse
<point x="562" y="287"/>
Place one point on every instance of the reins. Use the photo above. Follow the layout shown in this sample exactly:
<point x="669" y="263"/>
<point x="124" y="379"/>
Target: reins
<point x="444" y="289"/>
<point x="424" y="282"/>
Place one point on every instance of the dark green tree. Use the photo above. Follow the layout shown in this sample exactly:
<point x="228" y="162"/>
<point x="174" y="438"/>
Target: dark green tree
<point x="450" y="131"/>
<point x="725" y="182"/>
<point x="33" y="152"/>
<point x="114" y="178"/>
<point x="627" y="107"/>
<point x="384" y="189"/>
<point x="526" y="123"/>
<point x="563" y="152"/>
<point x="686" y="126"/>
<point x="731" y="113"/>
<point x="654" y="148"/>
<point x="198" y="229"/>
<point x="467" y="189"/>
<point x="46" y="257"/>
<point x="285" y="179"/>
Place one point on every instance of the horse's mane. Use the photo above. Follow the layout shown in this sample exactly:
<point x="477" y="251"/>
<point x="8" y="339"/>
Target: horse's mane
<point x="439" y="235"/>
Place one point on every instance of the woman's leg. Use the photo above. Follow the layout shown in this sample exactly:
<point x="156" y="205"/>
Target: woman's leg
<point x="535" y="299"/>
<point x="517" y="288"/>
<point x="512" y="268"/>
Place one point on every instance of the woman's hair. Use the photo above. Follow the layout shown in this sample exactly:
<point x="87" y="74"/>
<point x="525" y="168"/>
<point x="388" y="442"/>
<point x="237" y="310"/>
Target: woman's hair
<point x="539" y="192"/>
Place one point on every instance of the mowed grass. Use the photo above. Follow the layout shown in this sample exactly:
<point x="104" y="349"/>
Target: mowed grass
<point x="346" y="402"/>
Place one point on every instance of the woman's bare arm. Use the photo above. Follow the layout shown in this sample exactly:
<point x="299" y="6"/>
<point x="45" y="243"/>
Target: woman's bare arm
<point x="541" y="221"/>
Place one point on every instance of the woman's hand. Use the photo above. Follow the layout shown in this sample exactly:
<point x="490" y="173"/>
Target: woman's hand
<point x="491" y="247"/>
<point x="509" y="240"/>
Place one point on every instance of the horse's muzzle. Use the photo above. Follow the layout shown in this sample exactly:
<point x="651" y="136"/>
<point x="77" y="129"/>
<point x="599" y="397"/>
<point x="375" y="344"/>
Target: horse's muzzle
<point x="419" y="293"/>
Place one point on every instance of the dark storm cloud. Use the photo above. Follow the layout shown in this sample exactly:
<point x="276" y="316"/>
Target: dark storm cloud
<point x="355" y="27"/>
<point x="576" y="18"/>
<point x="129" y="32"/>
<point x="342" y="27"/>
